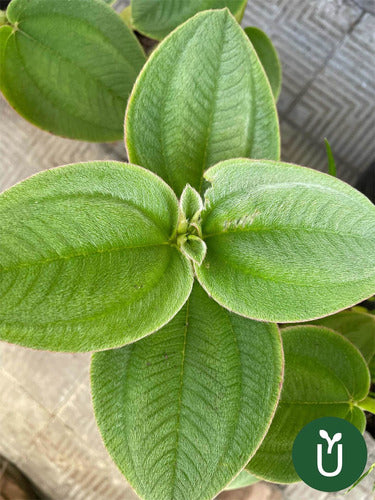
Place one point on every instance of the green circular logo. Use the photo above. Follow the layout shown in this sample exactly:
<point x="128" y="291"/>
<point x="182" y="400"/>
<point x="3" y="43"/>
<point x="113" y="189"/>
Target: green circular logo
<point x="329" y="454"/>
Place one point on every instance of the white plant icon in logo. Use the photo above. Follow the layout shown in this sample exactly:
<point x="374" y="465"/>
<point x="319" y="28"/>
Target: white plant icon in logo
<point x="330" y="442"/>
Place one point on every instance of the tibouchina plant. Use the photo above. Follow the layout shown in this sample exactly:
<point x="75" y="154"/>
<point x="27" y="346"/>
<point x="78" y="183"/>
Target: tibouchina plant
<point x="69" y="67"/>
<point x="179" y="269"/>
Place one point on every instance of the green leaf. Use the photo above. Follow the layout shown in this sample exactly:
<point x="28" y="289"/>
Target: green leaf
<point x="268" y="57"/>
<point x="191" y="203"/>
<point x="243" y="479"/>
<point x="194" y="248"/>
<point x="331" y="160"/>
<point x="3" y="18"/>
<point x="126" y="16"/>
<point x="189" y="228"/>
<point x="358" y="327"/>
<point x="181" y="411"/>
<point x="368" y="404"/>
<point x="372" y="369"/>
<point x="69" y="67"/>
<point x="85" y="258"/>
<point x="285" y="243"/>
<point x="325" y="376"/>
<point x="202" y="97"/>
<point x="156" y="19"/>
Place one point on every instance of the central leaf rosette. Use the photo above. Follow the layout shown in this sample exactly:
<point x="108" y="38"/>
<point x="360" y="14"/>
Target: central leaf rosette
<point x="189" y="231"/>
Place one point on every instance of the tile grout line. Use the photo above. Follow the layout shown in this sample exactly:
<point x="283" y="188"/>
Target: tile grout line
<point x="321" y="68"/>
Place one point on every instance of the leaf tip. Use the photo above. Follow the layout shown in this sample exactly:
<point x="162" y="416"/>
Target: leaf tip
<point x="331" y="160"/>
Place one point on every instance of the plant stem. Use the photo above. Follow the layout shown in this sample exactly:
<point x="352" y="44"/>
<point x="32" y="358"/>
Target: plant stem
<point x="368" y="404"/>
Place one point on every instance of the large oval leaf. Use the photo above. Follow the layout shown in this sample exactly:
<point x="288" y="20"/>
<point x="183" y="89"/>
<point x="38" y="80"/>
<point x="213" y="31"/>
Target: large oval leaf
<point x="325" y="376"/>
<point x="69" y="67"/>
<point x="202" y="97"/>
<point x="285" y="243"/>
<point x="356" y="326"/>
<point x="157" y="18"/>
<point x="85" y="259"/>
<point x="181" y="410"/>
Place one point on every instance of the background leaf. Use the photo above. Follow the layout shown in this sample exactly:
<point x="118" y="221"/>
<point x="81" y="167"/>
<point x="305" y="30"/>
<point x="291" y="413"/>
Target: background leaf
<point x="358" y="327"/>
<point x="157" y="18"/>
<point x="372" y="369"/>
<point x="285" y="243"/>
<point x="202" y="97"/>
<point x="368" y="404"/>
<point x="331" y="159"/>
<point x="325" y="376"/>
<point x="243" y="479"/>
<point x="69" y="67"/>
<point x="85" y="259"/>
<point x="182" y="410"/>
<point x="268" y="57"/>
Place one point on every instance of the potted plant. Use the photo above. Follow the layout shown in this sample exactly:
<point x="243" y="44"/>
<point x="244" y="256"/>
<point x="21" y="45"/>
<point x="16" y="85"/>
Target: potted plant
<point x="176" y="268"/>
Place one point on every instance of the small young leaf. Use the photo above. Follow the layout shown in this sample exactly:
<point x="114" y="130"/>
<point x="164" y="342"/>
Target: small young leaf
<point x="325" y="375"/>
<point x="194" y="248"/>
<point x="191" y="203"/>
<point x="358" y="327"/>
<point x="202" y="97"/>
<point x="69" y="67"/>
<point x="85" y="258"/>
<point x="243" y="479"/>
<point x="331" y="160"/>
<point x="268" y="57"/>
<point x="182" y="410"/>
<point x="285" y="243"/>
<point x="156" y="19"/>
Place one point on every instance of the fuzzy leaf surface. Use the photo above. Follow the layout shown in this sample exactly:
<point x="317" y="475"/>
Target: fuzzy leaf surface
<point x="181" y="410"/>
<point x="195" y="249"/>
<point x="157" y="18"/>
<point x="191" y="203"/>
<point x="268" y="57"/>
<point x="69" y="67"/>
<point x="85" y="258"/>
<point x="243" y="479"/>
<point x="325" y="376"/>
<point x="202" y="97"/>
<point x="285" y="243"/>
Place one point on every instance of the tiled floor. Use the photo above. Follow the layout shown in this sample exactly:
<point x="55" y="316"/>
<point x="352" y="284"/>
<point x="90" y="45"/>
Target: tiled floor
<point x="327" y="48"/>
